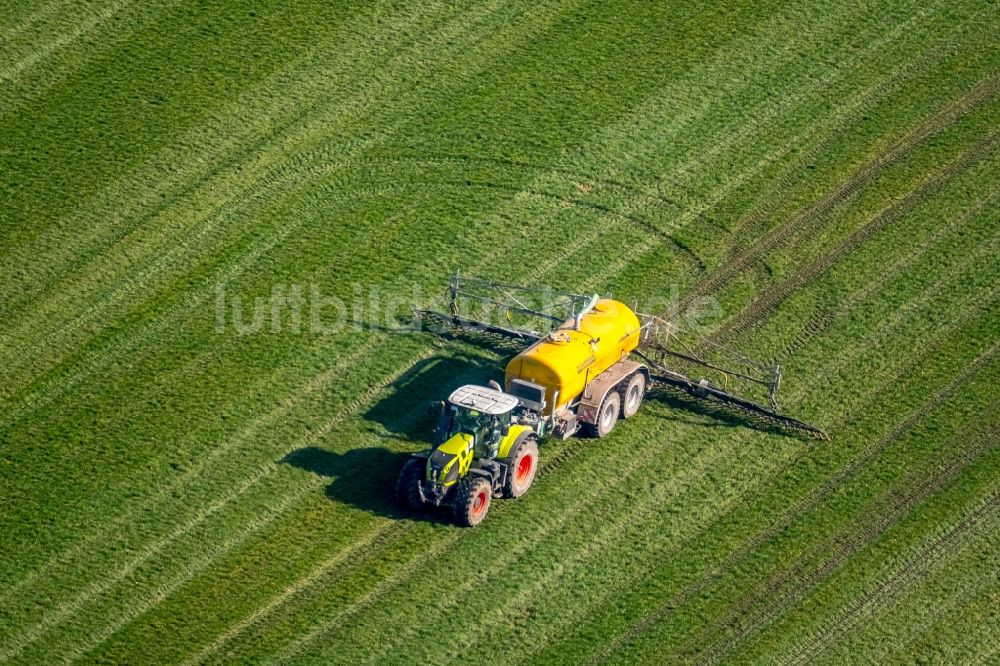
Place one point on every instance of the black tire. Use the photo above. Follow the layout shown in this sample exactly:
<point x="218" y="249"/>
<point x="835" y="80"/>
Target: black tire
<point x="522" y="464"/>
<point x="472" y="500"/>
<point x="408" y="492"/>
<point x="607" y="415"/>
<point x="632" y="396"/>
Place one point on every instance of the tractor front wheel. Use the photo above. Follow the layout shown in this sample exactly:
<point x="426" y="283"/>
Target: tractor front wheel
<point x="522" y="464"/>
<point x="408" y="492"/>
<point x="472" y="501"/>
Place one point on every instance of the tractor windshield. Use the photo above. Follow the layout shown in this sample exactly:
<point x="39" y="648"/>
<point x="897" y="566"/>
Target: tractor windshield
<point x="470" y="421"/>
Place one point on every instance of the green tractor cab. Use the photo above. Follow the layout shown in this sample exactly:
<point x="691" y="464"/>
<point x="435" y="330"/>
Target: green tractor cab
<point x="480" y="453"/>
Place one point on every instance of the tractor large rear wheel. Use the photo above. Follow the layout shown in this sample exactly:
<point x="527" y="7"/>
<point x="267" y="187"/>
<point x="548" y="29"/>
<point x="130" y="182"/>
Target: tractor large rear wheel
<point x="408" y="492"/>
<point x="472" y="500"/>
<point x="607" y="415"/>
<point x="522" y="463"/>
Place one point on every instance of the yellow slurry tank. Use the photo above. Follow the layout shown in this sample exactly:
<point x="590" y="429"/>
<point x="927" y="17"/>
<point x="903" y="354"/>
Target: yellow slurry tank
<point x="566" y="360"/>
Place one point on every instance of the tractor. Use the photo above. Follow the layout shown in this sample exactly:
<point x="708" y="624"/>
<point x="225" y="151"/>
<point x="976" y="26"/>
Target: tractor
<point x="482" y="451"/>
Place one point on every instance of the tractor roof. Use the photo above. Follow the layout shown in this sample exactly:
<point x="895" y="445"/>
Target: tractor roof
<point x="483" y="399"/>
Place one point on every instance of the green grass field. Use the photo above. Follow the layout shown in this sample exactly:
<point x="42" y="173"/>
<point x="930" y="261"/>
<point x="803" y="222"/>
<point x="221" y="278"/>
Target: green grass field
<point x="827" y="171"/>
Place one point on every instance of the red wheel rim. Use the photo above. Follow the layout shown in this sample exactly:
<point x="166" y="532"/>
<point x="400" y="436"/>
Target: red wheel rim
<point x="479" y="503"/>
<point x="524" y="468"/>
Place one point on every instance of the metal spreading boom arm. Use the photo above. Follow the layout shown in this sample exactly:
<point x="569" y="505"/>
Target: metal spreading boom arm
<point x="479" y="305"/>
<point x="675" y="358"/>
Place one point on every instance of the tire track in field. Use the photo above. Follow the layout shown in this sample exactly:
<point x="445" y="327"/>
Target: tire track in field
<point x="819" y="323"/>
<point x="931" y="623"/>
<point x="796" y="512"/>
<point x="860" y="178"/>
<point x="890" y="586"/>
<point x="844" y="357"/>
<point x="766" y="304"/>
<point x="791" y="585"/>
<point x="807" y="504"/>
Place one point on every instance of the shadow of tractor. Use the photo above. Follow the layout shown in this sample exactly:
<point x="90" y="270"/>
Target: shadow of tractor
<point x="403" y="409"/>
<point x="365" y="478"/>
